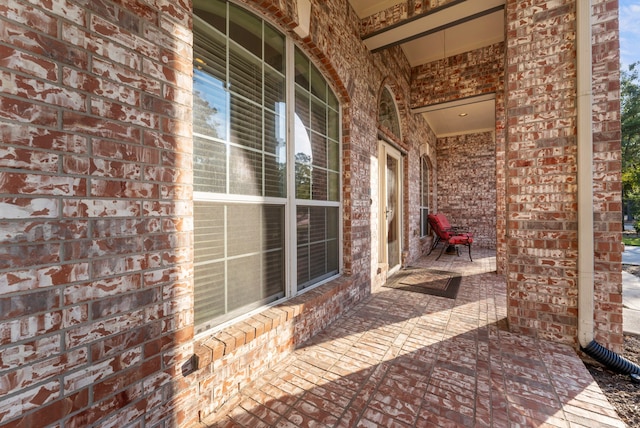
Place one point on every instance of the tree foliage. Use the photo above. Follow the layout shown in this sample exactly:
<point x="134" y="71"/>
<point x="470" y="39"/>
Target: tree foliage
<point x="630" y="138"/>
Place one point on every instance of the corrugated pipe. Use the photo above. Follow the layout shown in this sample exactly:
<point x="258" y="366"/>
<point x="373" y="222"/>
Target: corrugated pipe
<point x="585" y="202"/>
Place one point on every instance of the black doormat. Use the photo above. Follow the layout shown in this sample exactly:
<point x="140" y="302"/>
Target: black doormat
<point x="426" y="281"/>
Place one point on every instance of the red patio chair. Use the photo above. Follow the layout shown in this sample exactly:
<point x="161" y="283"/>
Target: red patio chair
<point x="448" y="234"/>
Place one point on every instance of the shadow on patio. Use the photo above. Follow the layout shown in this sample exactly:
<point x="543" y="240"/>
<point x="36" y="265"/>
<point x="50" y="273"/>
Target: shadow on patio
<point x="408" y="359"/>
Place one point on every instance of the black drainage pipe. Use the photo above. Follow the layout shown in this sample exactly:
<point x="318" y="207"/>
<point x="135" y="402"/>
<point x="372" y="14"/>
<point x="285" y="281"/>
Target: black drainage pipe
<point x="612" y="360"/>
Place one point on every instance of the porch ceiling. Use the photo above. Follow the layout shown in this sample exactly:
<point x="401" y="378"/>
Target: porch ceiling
<point x="458" y="27"/>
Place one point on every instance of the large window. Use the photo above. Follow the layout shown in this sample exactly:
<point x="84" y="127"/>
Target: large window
<point x="424" y="196"/>
<point x="266" y="165"/>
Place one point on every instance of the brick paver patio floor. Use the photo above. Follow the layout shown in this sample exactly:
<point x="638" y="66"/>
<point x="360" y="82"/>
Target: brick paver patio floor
<point x="406" y="359"/>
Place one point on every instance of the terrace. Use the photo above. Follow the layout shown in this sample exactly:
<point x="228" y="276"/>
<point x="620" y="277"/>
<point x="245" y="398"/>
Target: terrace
<point x="406" y="358"/>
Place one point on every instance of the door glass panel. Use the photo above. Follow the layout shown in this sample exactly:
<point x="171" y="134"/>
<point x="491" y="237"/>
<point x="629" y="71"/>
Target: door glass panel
<point x="393" y="238"/>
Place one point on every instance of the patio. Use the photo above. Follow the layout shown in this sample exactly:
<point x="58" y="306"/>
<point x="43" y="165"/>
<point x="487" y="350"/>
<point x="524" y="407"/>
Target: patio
<point x="404" y="358"/>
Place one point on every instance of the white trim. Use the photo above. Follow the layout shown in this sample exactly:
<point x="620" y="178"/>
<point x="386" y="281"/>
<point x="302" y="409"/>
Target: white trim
<point x="456" y="103"/>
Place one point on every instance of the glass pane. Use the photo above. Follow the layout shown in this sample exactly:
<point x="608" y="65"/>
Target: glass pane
<point x="210" y="110"/>
<point x="424" y="190"/>
<point x="209" y="296"/>
<point x="302" y="108"/>
<point x="424" y="222"/>
<point x="387" y="115"/>
<point x="245" y="172"/>
<point x="245" y="74"/>
<point x="246" y="29"/>
<point x="332" y="256"/>
<point x="319" y="187"/>
<point x="302" y="70"/>
<point x="209" y="166"/>
<point x="208" y="231"/>
<point x="303" y="150"/>
<point x="274" y="48"/>
<point x="303" y="266"/>
<point x="275" y="177"/>
<point x="244" y="229"/>
<point x="318" y="117"/>
<point x="274" y="274"/>
<point x="318" y="260"/>
<point x="332" y="100"/>
<point x="303" y="222"/>
<point x="245" y="281"/>
<point x="318" y="85"/>
<point x="332" y="223"/>
<point x="212" y="11"/>
<point x="393" y="216"/>
<point x="319" y="150"/>
<point x="334" y="156"/>
<point x="303" y="180"/>
<point x="246" y="123"/>
<point x="274" y="85"/>
<point x="334" y="186"/>
<point x="333" y="125"/>
<point x="273" y="227"/>
<point x="318" y="224"/>
<point x="275" y="135"/>
<point x="209" y="51"/>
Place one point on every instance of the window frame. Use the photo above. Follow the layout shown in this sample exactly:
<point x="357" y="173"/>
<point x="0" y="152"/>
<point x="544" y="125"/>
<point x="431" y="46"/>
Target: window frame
<point x="425" y="195"/>
<point x="290" y="203"/>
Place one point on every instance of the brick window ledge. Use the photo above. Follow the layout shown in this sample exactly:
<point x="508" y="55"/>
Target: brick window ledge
<point x="330" y="299"/>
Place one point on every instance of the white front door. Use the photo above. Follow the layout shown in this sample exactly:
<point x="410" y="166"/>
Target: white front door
<point x="390" y="206"/>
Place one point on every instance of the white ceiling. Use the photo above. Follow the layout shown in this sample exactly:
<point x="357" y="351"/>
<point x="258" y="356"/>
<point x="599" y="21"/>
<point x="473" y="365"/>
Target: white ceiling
<point x="475" y="114"/>
<point x="459" y="28"/>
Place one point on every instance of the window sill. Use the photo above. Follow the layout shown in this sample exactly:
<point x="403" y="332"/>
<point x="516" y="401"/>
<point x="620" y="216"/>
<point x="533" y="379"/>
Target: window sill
<point x="329" y="297"/>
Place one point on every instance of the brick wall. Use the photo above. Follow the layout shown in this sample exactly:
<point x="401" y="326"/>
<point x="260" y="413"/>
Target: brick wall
<point x="607" y="165"/>
<point x="542" y="230"/>
<point x="95" y="213"/>
<point x="467" y="184"/>
<point x="469" y="74"/>
<point x="401" y="11"/>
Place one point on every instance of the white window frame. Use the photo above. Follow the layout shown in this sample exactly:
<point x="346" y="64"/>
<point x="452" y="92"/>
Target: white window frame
<point x="290" y="203"/>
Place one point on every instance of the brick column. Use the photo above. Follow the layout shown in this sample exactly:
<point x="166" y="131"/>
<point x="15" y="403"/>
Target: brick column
<point x="542" y="236"/>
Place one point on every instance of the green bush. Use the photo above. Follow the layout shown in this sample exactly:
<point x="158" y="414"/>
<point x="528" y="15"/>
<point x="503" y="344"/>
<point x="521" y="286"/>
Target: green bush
<point x="632" y="242"/>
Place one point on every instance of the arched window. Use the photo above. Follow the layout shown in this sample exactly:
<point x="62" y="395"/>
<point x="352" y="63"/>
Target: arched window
<point x="266" y="171"/>
<point x="387" y="113"/>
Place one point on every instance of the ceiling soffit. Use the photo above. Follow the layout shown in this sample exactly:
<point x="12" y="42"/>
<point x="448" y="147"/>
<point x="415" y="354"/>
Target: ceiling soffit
<point x="457" y="27"/>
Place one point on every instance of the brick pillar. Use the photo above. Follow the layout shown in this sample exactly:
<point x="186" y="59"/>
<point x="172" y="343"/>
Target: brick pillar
<point x="542" y="235"/>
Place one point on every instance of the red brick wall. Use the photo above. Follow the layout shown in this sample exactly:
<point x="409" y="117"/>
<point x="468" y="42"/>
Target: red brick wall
<point x="542" y="230"/>
<point x="467" y="184"/>
<point x="607" y="164"/>
<point x="398" y="13"/>
<point x="95" y="158"/>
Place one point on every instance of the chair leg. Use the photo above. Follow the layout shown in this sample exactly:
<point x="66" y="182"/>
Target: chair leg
<point x="446" y="244"/>
<point x="435" y="244"/>
<point x="470" y="253"/>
